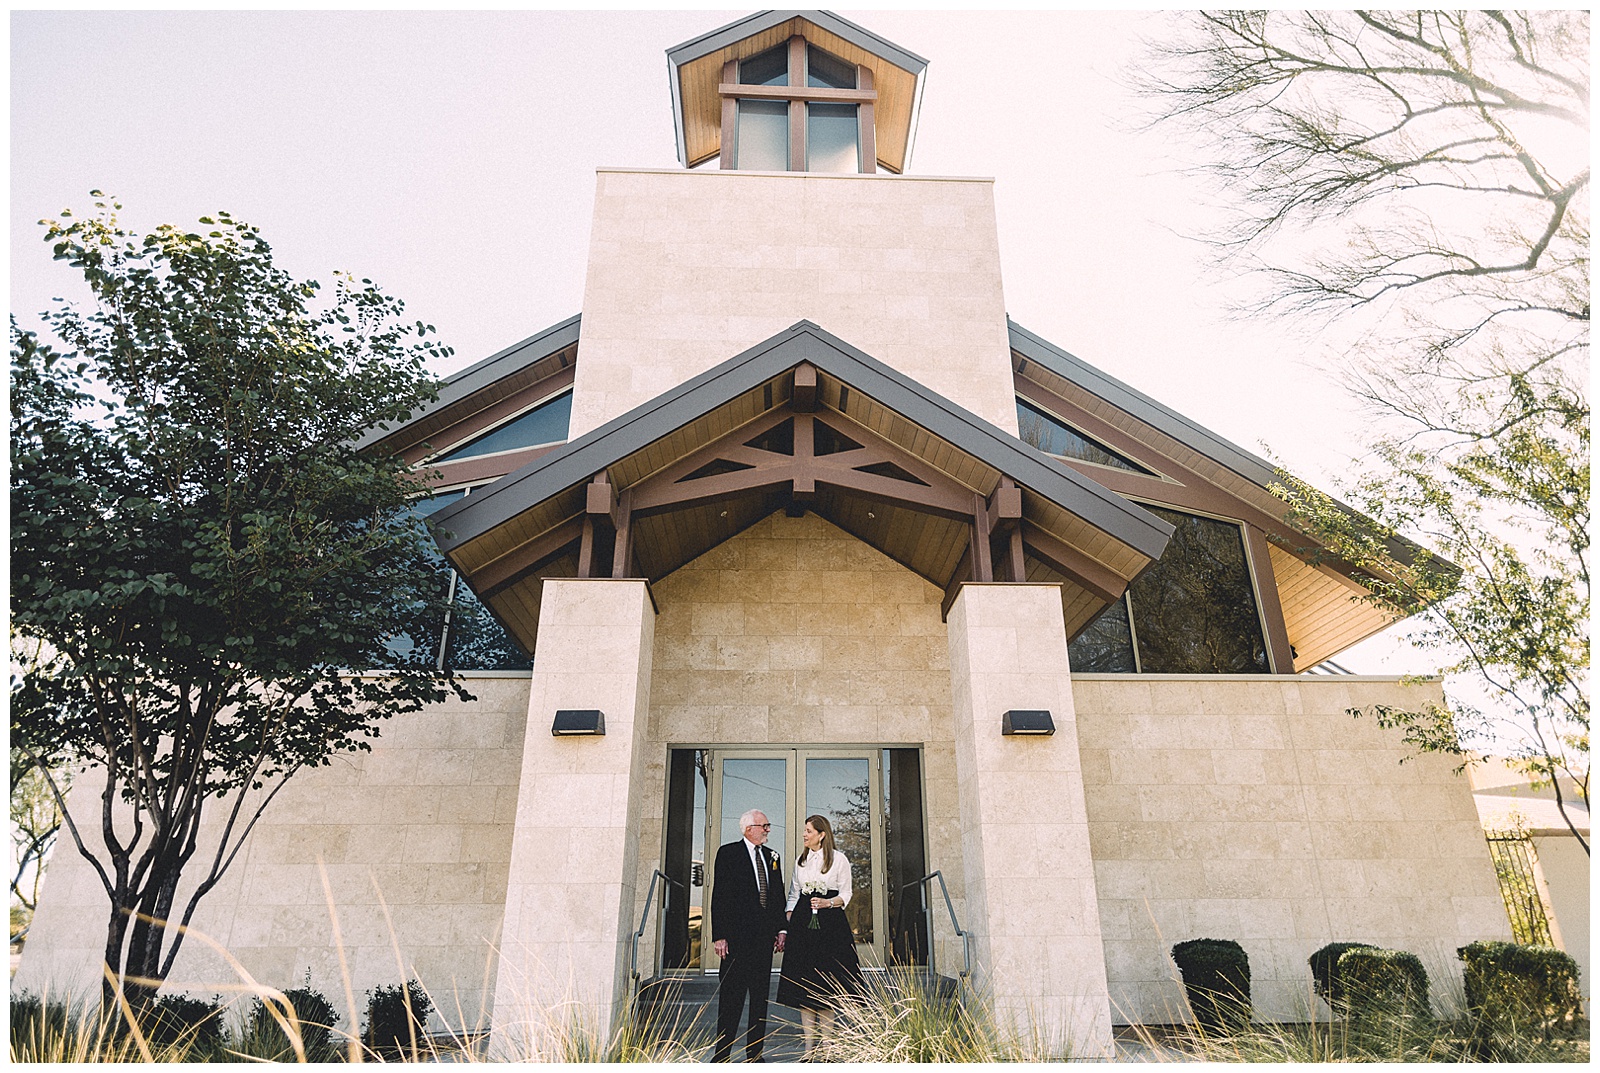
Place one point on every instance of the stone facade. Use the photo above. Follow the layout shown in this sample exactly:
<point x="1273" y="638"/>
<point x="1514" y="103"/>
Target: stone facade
<point x="1257" y="809"/>
<point x="1250" y="808"/>
<point x="573" y="854"/>
<point x="688" y="268"/>
<point x="415" y="840"/>
<point x="1030" y="886"/>
<point x="796" y="633"/>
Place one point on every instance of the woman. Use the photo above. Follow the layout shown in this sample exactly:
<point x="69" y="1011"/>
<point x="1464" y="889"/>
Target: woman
<point x="819" y="962"/>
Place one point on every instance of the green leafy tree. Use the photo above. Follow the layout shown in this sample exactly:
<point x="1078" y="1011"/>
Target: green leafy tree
<point x="1420" y="181"/>
<point x="35" y="822"/>
<point x="211" y="566"/>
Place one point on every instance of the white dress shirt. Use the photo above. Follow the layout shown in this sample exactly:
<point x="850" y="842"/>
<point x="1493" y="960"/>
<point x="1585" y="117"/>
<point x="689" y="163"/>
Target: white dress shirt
<point x="836" y="878"/>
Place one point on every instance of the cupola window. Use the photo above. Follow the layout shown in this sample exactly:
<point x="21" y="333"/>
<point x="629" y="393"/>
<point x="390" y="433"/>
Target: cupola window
<point x="797" y="107"/>
<point x="769" y="68"/>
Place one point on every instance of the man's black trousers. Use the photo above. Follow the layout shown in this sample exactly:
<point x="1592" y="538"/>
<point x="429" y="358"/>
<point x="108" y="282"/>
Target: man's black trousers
<point x="745" y="973"/>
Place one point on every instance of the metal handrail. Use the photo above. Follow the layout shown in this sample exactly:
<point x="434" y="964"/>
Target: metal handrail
<point x="644" y="918"/>
<point x="966" y="936"/>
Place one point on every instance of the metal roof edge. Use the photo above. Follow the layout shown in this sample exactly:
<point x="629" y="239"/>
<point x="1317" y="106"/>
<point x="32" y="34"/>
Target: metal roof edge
<point x="475" y="377"/>
<point x="860" y="36"/>
<point x="1245" y="463"/>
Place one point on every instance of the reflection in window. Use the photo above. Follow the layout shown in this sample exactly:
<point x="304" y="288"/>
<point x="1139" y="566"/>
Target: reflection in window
<point x="769" y="68"/>
<point x="1193" y="610"/>
<point x="1106" y="647"/>
<point x="832" y="141"/>
<point x="474" y="641"/>
<point x="824" y="70"/>
<point x="1055" y="437"/>
<point x="455" y="630"/>
<point x="546" y="423"/>
<point x="763" y="137"/>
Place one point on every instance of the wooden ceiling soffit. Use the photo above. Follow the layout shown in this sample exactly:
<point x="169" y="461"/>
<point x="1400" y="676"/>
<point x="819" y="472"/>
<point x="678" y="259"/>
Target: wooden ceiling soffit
<point x="697" y="69"/>
<point x="833" y="430"/>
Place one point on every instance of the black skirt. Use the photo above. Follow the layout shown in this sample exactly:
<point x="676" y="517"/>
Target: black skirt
<point x="819" y="964"/>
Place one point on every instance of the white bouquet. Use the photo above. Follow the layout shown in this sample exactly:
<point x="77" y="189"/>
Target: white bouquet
<point x="814" y="888"/>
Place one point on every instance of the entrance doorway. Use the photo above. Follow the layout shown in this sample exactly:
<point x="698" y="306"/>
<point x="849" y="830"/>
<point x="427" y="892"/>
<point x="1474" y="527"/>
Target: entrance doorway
<point x="872" y="795"/>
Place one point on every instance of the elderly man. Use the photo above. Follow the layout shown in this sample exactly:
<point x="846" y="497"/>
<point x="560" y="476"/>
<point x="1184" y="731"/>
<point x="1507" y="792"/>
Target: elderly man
<point x="747" y="927"/>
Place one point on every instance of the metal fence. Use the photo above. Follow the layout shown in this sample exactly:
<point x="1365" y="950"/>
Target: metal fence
<point x="1514" y="865"/>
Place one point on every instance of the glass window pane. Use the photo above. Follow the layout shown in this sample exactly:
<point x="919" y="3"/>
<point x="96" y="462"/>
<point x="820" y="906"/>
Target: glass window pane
<point x="760" y="784"/>
<point x="827" y="71"/>
<point x="770" y="68"/>
<point x="1106" y="647"/>
<point x="763" y="138"/>
<point x="419" y="644"/>
<point x="1052" y="436"/>
<point x="1194" y="610"/>
<point x="546" y="423"/>
<point x="831" y="137"/>
<point x="840" y="790"/>
<point x="476" y="641"/>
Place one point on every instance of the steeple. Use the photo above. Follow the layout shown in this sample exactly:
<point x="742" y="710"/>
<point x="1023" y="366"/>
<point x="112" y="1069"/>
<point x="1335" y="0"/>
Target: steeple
<point x="795" y="91"/>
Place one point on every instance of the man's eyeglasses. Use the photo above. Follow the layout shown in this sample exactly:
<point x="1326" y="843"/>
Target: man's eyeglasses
<point x="762" y="826"/>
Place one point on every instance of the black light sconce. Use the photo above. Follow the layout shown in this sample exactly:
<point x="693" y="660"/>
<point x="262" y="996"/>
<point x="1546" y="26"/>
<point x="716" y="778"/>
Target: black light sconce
<point x="574" y="721"/>
<point x="1025" y="721"/>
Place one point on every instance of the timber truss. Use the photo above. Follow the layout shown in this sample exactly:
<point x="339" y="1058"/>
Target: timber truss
<point x="801" y="451"/>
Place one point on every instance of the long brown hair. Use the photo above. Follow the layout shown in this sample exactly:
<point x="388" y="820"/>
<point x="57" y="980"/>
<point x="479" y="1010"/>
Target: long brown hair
<point x="824" y="828"/>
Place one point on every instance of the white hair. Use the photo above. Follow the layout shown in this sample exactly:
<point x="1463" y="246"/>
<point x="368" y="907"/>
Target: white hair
<point x="749" y="817"/>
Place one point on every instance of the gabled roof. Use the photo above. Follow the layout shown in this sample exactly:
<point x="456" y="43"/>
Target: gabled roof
<point x="696" y="72"/>
<point x="467" y="520"/>
<point x="504" y="539"/>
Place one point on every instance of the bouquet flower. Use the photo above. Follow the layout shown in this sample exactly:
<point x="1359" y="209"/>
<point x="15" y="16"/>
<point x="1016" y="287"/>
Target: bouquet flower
<point x="814" y="889"/>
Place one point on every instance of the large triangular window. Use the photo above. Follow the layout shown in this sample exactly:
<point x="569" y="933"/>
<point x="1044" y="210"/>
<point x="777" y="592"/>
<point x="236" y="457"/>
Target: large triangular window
<point x="1053" y="436"/>
<point x="545" y="423"/>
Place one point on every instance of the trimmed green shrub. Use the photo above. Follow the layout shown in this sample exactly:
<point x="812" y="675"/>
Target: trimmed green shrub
<point x="1519" y="988"/>
<point x="33" y="1019"/>
<point x="316" y="1016"/>
<point x="1383" y="982"/>
<point x="396" y="1016"/>
<point x="1325" y="978"/>
<point x="175" y="1019"/>
<point x="1216" y="977"/>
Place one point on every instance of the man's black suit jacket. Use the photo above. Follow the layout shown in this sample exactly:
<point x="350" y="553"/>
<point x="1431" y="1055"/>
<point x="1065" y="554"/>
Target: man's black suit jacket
<point x="736" y="912"/>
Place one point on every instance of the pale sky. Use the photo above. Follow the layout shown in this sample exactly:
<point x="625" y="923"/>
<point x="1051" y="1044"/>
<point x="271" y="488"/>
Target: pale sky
<point x="451" y="158"/>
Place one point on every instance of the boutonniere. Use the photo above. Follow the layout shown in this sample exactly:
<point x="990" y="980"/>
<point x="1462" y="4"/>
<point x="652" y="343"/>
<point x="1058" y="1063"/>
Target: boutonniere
<point x="774" y="863"/>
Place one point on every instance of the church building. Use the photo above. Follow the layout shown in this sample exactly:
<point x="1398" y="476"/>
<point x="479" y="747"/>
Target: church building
<point x="792" y="516"/>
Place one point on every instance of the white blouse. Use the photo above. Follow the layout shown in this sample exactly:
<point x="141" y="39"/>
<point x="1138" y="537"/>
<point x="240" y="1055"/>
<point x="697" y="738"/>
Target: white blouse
<point x="837" y="878"/>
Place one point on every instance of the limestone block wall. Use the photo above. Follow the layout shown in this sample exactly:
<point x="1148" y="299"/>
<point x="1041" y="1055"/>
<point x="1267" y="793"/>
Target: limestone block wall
<point x="422" y="825"/>
<point x="573" y="850"/>
<point x="795" y="632"/>
<point x="1024" y="828"/>
<point x="1256" y="809"/>
<point x="688" y="268"/>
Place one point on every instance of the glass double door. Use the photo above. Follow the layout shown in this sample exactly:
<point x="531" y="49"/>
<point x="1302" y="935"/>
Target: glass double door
<point x="842" y="784"/>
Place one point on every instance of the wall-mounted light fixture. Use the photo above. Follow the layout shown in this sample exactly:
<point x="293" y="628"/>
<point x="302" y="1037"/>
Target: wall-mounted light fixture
<point x="574" y="721"/>
<point x="1023" y="721"/>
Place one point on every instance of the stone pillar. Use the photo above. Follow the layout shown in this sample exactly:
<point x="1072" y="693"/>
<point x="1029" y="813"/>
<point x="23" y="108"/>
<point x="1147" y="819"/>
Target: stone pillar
<point x="570" y="890"/>
<point x="1030" y="890"/>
